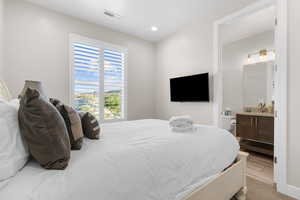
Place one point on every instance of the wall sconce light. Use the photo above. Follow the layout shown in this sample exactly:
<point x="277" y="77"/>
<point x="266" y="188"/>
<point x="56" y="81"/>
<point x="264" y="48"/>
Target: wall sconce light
<point x="261" y="56"/>
<point x="263" y="53"/>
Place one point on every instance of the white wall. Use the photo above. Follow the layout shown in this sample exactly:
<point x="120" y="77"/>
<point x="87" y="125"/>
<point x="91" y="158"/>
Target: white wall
<point x="36" y="47"/>
<point x="1" y="38"/>
<point x="234" y="56"/>
<point x="293" y="93"/>
<point x="187" y="52"/>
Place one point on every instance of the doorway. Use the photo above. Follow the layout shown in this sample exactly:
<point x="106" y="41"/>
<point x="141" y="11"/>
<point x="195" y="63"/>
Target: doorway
<point x="248" y="59"/>
<point x="274" y="56"/>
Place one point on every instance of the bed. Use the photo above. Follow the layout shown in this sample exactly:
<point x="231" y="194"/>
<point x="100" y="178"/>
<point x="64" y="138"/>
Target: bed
<point x="140" y="160"/>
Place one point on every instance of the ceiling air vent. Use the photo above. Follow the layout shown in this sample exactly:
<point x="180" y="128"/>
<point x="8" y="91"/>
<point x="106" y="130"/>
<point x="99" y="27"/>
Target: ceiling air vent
<point x="112" y="14"/>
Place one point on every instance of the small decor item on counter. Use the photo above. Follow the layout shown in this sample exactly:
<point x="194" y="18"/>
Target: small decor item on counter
<point x="227" y="112"/>
<point x="248" y="109"/>
<point x="72" y="122"/>
<point x="90" y="126"/>
<point x="33" y="85"/>
<point x="270" y="109"/>
<point x="181" y="124"/>
<point x="262" y="108"/>
<point x="4" y="92"/>
<point x="44" y="130"/>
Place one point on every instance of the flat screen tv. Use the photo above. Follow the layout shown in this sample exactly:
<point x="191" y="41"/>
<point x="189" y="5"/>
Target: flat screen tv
<point x="193" y="88"/>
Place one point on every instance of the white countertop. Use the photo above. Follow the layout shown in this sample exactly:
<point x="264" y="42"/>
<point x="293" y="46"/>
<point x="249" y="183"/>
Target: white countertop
<point x="256" y="114"/>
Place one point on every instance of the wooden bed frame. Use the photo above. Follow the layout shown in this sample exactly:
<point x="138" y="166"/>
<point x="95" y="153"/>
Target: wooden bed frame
<point x="229" y="183"/>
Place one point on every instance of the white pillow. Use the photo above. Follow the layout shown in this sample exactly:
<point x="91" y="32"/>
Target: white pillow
<point x="13" y="151"/>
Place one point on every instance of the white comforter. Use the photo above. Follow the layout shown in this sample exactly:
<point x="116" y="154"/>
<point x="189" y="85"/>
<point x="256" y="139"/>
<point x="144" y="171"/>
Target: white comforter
<point x="136" y="160"/>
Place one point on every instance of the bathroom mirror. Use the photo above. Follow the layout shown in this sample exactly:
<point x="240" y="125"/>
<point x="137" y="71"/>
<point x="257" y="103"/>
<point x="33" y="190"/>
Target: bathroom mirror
<point x="258" y="80"/>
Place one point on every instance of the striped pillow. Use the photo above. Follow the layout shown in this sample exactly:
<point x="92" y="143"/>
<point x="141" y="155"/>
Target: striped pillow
<point x="90" y="126"/>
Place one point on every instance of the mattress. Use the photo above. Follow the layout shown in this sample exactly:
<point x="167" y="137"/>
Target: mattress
<point x="134" y="160"/>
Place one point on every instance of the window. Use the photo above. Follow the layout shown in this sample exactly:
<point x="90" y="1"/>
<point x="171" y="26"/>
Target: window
<point x="113" y="84"/>
<point x="98" y="78"/>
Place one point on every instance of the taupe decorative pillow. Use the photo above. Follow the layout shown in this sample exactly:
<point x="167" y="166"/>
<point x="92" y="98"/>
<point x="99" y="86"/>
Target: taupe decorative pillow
<point x="44" y="130"/>
<point x="90" y="126"/>
<point x="73" y="123"/>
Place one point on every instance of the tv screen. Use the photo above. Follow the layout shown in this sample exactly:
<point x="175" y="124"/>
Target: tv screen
<point x="193" y="88"/>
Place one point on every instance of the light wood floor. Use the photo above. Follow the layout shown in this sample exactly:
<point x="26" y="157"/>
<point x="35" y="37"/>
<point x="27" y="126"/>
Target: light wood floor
<point x="260" y="179"/>
<point x="258" y="190"/>
<point x="260" y="167"/>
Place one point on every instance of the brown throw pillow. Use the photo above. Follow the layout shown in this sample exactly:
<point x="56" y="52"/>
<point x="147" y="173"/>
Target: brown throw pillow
<point x="90" y="126"/>
<point x="72" y="121"/>
<point x="44" y="130"/>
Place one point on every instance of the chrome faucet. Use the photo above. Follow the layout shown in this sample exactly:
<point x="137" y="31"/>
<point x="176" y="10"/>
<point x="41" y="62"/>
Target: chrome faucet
<point x="261" y="107"/>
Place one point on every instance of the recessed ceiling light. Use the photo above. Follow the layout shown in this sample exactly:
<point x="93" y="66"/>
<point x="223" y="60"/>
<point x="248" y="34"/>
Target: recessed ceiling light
<point x="154" y="28"/>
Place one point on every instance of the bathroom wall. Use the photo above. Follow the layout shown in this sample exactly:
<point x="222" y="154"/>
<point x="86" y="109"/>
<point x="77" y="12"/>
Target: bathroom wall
<point x="234" y="57"/>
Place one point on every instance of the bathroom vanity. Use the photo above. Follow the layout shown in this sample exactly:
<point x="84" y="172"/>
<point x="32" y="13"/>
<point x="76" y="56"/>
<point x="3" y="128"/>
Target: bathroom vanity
<point x="256" y="131"/>
<point x="249" y="94"/>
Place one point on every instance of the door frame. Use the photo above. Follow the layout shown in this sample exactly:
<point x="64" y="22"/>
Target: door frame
<point x="280" y="127"/>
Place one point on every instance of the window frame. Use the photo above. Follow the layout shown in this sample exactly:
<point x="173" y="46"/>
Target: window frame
<point x="75" y="38"/>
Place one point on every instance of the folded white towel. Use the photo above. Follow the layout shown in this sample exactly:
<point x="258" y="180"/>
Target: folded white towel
<point x="183" y="130"/>
<point x="181" y="124"/>
<point x="181" y="121"/>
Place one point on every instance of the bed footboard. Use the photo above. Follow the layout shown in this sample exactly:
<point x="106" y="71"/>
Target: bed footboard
<point x="231" y="182"/>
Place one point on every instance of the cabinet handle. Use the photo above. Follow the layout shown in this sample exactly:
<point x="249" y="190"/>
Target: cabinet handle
<point x="256" y="119"/>
<point x="251" y="122"/>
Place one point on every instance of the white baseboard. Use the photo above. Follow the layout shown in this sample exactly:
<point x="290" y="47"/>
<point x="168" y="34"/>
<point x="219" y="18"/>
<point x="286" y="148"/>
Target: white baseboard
<point x="289" y="190"/>
<point x="293" y="191"/>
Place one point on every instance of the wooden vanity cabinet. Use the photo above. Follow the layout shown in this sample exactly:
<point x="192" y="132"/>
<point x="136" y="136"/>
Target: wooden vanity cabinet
<point x="265" y="129"/>
<point x="256" y="132"/>
<point x="246" y="127"/>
